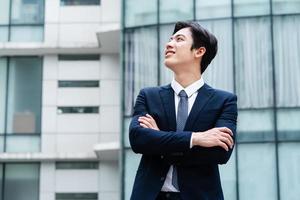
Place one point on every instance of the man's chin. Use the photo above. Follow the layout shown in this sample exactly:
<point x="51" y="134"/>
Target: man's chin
<point x="169" y="64"/>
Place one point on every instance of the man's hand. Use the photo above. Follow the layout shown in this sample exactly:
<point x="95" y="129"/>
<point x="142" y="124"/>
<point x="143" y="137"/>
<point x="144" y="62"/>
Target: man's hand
<point x="148" y="122"/>
<point x="214" y="137"/>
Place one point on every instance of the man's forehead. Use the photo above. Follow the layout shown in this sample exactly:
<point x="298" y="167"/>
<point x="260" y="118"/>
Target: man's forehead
<point x="183" y="31"/>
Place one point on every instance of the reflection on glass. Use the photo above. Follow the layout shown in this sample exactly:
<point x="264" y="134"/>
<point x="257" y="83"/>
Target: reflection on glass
<point x="219" y="73"/>
<point x="22" y="143"/>
<point x="289" y="170"/>
<point x="255" y="125"/>
<point x="228" y="178"/>
<point x="4" y="12"/>
<point x="24" y="95"/>
<point x="131" y="164"/>
<point x="126" y="131"/>
<point x="253" y="62"/>
<point x="288" y="124"/>
<point x="140" y="63"/>
<point x="27" y="33"/>
<point x="140" y="12"/>
<point x="286" y="6"/>
<point x="251" y="7"/>
<point x="257" y="171"/>
<point x="287" y="60"/>
<point x="21" y="182"/>
<point x="3" y="33"/>
<point x="3" y="74"/>
<point x="24" y="11"/>
<point x="213" y="9"/>
<point x="175" y="10"/>
<point x="166" y="74"/>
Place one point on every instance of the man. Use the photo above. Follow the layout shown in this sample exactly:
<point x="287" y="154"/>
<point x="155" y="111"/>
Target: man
<point x="185" y="129"/>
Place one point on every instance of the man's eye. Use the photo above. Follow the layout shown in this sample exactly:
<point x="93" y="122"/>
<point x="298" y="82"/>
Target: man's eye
<point x="179" y="39"/>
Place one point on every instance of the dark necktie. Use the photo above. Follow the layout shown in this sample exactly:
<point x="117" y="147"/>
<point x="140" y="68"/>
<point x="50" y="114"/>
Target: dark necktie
<point x="182" y="115"/>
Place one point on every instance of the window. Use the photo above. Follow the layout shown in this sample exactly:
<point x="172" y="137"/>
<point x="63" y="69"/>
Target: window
<point x="21" y="181"/>
<point x="20" y="104"/>
<point x="78" y="84"/>
<point x="175" y="10"/>
<point x="86" y="109"/>
<point x="77" y="165"/>
<point x="73" y="57"/>
<point x="79" y="2"/>
<point x="76" y="196"/>
<point x="21" y="20"/>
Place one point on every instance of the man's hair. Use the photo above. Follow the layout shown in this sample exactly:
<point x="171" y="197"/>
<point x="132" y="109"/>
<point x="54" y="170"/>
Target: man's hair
<point x="201" y="38"/>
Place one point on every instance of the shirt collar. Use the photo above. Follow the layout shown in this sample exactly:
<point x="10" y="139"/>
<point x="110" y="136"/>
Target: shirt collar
<point x="190" y="90"/>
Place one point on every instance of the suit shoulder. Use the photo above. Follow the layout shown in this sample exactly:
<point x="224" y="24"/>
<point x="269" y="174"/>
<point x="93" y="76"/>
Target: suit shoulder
<point x="155" y="89"/>
<point x="223" y="93"/>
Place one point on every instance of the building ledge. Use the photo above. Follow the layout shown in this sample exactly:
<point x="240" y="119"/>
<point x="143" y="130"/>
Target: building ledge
<point x="37" y="157"/>
<point x="107" y="151"/>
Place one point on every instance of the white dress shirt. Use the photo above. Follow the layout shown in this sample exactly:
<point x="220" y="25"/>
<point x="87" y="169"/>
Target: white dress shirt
<point x="191" y="91"/>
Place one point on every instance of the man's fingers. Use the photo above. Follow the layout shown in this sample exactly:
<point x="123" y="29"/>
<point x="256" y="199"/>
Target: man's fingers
<point x="226" y="141"/>
<point x="223" y="145"/>
<point x="228" y="137"/>
<point x="146" y="122"/>
<point x="143" y="125"/>
<point x="226" y="130"/>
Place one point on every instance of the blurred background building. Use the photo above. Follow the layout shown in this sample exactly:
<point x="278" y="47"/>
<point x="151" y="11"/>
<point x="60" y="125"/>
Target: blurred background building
<point x="68" y="85"/>
<point x="258" y="59"/>
<point x="59" y="99"/>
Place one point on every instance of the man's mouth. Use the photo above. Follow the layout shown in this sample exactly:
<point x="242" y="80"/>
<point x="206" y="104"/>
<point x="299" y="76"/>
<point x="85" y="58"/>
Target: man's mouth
<point x="169" y="52"/>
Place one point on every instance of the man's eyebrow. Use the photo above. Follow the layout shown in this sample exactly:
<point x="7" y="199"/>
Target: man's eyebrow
<point x="176" y="36"/>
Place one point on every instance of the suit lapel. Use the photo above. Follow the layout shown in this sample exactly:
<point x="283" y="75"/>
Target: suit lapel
<point x="167" y="97"/>
<point x="203" y="96"/>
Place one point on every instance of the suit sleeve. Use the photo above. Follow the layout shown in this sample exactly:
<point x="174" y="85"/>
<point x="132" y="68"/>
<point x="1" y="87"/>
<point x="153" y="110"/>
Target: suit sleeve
<point x="212" y="155"/>
<point x="149" y="141"/>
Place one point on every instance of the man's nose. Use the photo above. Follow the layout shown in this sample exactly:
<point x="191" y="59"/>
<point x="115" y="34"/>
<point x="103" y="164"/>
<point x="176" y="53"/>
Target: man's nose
<point x="170" y="44"/>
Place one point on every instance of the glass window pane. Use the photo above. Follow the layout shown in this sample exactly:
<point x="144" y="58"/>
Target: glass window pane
<point x="251" y="7"/>
<point x="289" y="170"/>
<point x="23" y="143"/>
<point x="76" y="196"/>
<point x="3" y="33"/>
<point x="1" y="179"/>
<point x="78" y="57"/>
<point x="288" y="124"/>
<point x="24" y="95"/>
<point x="127" y="121"/>
<point x="257" y="171"/>
<point x="76" y="165"/>
<point x="213" y="9"/>
<point x="136" y="15"/>
<point x="21" y="182"/>
<point x="27" y="11"/>
<point x="219" y="73"/>
<point x="254" y="62"/>
<point x="80" y="84"/>
<point x="4" y="13"/>
<point x="255" y="125"/>
<point x="228" y="177"/>
<point x="27" y="33"/>
<point x="2" y="143"/>
<point x="132" y="161"/>
<point x="78" y="110"/>
<point x="3" y="75"/>
<point x="175" y="10"/>
<point x="79" y="2"/>
<point x="140" y="63"/>
<point x="287" y="60"/>
<point x="165" y="32"/>
<point x="286" y="6"/>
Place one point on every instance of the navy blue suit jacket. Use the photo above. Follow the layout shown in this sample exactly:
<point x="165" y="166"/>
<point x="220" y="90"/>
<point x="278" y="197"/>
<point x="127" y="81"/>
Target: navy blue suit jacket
<point x="197" y="167"/>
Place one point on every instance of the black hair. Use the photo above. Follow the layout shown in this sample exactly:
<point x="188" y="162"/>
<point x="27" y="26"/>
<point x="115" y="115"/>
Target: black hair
<point x="201" y="38"/>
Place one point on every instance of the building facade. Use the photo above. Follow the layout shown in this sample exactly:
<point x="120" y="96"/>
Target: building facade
<point x="258" y="59"/>
<point x="59" y="99"/>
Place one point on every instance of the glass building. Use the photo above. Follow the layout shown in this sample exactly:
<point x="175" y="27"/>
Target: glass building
<point x="258" y="59"/>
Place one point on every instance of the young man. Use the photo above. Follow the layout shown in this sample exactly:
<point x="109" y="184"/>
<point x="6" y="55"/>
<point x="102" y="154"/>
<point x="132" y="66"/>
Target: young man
<point x="185" y="129"/>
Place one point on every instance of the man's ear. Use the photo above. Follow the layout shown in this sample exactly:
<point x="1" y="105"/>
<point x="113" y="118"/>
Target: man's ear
<point x="200" y="52"/>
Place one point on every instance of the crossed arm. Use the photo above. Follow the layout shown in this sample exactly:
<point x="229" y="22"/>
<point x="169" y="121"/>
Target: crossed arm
<point x="213" y="146"/>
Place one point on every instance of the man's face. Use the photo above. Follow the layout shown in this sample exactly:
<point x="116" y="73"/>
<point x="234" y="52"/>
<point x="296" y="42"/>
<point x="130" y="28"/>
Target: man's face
<point x="178" y="51"/>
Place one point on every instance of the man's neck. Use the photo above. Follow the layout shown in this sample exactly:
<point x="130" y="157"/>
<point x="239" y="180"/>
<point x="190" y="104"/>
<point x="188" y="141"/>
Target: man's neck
<point x="187" y="79"/>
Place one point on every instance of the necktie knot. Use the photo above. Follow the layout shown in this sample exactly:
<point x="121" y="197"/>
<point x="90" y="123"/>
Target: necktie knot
<point x="182" y="93"/>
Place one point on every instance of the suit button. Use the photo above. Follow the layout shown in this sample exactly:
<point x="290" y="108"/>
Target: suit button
<point x="161" y="157"/>
<point x="162" y="178"/>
